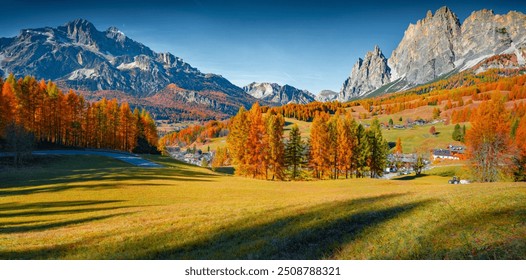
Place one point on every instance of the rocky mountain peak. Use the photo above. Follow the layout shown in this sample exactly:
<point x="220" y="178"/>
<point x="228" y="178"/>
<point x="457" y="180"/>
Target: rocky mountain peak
<point x="80" y="30"/>
<point x="77" y="55"/>
<point x="367" y="75"/>
<point x="426" y="50"/>
<point x="114" y="33"/>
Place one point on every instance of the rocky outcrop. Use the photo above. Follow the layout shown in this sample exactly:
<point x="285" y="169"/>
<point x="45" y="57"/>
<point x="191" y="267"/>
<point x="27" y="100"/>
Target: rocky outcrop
<point x="367" y="75"/>
<point x="326" y="96"/>
<point x="485" y="34"/>
<point x="427" y="49"/>
<point x="274" y="93"/>
<point x="438" y="45"/>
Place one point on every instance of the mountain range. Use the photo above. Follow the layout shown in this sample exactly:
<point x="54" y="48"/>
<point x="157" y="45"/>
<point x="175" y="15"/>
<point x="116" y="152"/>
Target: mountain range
<point x="435" y="47"/>
<point x="109" y="64"/>
<point x="275" y="93"/>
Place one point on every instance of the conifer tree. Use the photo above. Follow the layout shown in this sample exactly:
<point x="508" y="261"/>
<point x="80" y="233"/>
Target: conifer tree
<point x="345" y="144"/>
<point x="333" y="146"/>
<point x="488" y="140"/>
<point x="319" y="150"/>
<point x="376" y="150"/>
<point x="256" y="157"/>
<point x="294" y="153"/>
<point x="398" y="147"/>
<point x="237" y="140"/>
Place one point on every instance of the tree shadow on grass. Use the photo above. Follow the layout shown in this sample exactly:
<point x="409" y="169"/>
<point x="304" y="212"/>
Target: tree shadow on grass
<point x="21" y="227"/>
<point x="410" y="177"/>
<point x="50" y="179"/>
<point x="316" y="233"/>
<point x="37" y="210"/>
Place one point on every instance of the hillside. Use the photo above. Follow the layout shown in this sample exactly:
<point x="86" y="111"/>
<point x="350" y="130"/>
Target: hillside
<point x="61" y="209"/>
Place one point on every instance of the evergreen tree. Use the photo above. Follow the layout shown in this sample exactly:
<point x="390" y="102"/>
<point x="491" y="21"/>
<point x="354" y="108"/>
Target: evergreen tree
<point x="457" y="133"/>
<point x="376" y="150"/>
<point x="294" y="152"/>
<point x="346" y="144"/>
<point x="360" y="150"/>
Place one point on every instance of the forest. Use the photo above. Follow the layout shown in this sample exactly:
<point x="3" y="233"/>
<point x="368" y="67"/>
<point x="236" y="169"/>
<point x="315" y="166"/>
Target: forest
<point x="38" y="113"/>
<point x="338" y="146"/>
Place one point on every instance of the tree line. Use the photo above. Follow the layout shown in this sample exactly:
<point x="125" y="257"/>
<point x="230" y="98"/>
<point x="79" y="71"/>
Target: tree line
<point x="41" y="110"/>
<point x="337" y="147"/>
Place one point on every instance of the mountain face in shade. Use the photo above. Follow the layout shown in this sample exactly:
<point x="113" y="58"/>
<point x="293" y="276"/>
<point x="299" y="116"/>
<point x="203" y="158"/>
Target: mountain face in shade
<point x="77" y="55"/>
<point x="274" y="93"/>
<point x="436" y="46"/>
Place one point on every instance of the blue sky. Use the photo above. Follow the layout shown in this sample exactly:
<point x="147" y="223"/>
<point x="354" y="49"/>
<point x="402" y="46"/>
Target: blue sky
<point x="307" y="44"/>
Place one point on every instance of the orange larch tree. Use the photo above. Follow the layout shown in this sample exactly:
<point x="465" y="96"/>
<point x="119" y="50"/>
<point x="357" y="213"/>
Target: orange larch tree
<point x="488" y="141"/>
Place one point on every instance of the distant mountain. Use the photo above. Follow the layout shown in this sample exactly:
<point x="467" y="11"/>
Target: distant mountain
<point x="438" y="46"/>
<point x="274" y="93"/>
<point x="76" y="55"/>
<point x="326" y="95"/>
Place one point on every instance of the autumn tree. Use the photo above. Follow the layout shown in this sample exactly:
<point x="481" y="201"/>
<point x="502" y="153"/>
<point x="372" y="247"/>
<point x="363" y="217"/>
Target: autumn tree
<point x="220" y="158"/>
<point x="294" y="153"/>
<point x="333" y="146"/>
<point x="436" y="113"/>
<point x="488" y="140"/>
<point x="433" y="130"/>
<point x="398" y="147"/>
<point x="419" y="164"/>
<point x="256" y="154"/>
<point x="319" y="158"/>
<point x="276" y="147"/>
<point x="237" y="140"/>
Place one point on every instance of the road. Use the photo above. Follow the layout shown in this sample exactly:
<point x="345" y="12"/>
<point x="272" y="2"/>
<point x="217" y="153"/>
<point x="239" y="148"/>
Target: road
<point x="126" y="157"/>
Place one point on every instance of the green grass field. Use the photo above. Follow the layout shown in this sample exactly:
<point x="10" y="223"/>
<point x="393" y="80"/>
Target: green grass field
<point x="97" y="208"/>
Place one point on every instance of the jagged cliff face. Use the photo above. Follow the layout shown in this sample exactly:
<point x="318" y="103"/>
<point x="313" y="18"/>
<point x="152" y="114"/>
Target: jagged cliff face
<point x="274" y="93"/>
<point x="485" y="34"/>
<point x="439" y="44"/>
<point x="366" y="75"/>
<point x="427" y="48"/>
<point x="77" y="55"/>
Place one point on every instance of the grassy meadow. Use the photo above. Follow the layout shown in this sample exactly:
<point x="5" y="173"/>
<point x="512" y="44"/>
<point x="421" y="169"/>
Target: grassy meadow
<point x="97" y="208"/>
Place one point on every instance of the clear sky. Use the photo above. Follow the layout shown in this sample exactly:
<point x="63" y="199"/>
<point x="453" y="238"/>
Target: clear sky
<point x="304" y="43"/>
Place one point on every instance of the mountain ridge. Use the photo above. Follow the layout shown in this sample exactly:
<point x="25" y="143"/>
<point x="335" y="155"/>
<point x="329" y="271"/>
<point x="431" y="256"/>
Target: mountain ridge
<point x="78" y="56"/>
<point x="275" y="93"/>
<point x="437" y="45"/>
